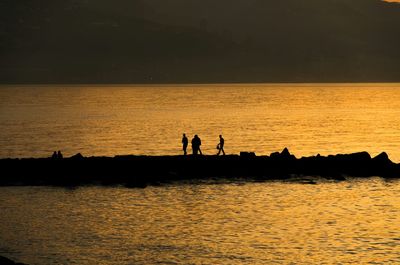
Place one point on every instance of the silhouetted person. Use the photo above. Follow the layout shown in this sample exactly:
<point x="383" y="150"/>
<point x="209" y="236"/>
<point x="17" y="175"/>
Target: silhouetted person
<point x="185" y="143"/>
<point x="59" y="155"/>
<point x="196" y="142"/>
<point x="54" y="156"/>
<point x="199" y="146"/>
<point x="221" y="145"/>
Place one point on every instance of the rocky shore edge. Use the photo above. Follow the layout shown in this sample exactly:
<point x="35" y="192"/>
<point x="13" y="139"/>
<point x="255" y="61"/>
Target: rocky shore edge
<point x="6" y="261"/>
<point x="140" y="171"/>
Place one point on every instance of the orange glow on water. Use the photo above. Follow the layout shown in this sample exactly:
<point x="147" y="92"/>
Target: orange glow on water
<point x="109" y="120"/>
<point x="354" y="221"/>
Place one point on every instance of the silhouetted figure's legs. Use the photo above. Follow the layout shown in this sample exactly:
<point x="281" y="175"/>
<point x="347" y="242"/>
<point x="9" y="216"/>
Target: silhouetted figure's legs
<point x="195" y="150"/>
<point x="220" y="149"/>
<point x="184" y="149"/>
<point x="220" y="146"/>
<point x="200" y="151"/>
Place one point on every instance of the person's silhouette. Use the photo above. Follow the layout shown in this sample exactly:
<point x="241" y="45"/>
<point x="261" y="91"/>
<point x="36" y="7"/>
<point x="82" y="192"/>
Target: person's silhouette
<point x="54" y="156"/>
<point x="59" y="155"/>
<point x="195" y="148"/>
<point x="221" y="145"/>
<point x="185" y="142"/>
<point x="199" y="142"/>
<point x="196" y="142"/>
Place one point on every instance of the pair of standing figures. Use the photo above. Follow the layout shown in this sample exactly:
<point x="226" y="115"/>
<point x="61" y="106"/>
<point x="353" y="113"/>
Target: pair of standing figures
<point x="196" y="142"/>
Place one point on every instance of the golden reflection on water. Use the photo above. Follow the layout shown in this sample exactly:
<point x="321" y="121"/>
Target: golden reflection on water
<point x="108" y="120"/>
<point x="355" y="221"/>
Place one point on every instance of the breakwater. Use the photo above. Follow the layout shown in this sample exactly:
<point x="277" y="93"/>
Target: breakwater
<point x="140" y="171"/>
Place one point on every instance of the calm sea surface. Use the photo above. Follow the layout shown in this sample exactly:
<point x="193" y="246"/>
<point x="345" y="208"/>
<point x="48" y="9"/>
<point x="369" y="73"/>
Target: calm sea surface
<point x="110" y="120"/>
<point x="350" y="222"/>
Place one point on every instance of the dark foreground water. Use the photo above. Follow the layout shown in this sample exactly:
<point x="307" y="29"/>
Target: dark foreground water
<point x="355" y="221"/>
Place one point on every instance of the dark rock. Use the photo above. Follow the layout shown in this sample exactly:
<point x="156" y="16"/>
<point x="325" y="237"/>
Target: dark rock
<point x="140" y="171"/>
<point x="275" y="155"/>
<point x="284" y="155"/>
<point x="6" y="261"/>
<point x="383" y="166"/>
<point x="338" y="178"/>
<point x="285" y="152"/>
<point x="382" y="158"/>
<point x="78" y="156"/>
<point x="247" y="154"/>
<point x="361" y="156"/>
<point x="354" y="157"/>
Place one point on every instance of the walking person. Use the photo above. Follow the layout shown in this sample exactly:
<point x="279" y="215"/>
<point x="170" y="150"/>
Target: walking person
<point x="185" y="143"/>
<point x="220" y="146"/>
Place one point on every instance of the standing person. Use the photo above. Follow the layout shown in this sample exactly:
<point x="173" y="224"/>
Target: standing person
<point x="196" y="142"/>
<point x="185" y="142"/>
<point x="194" y="145"/>
<point x="221" y="145"/>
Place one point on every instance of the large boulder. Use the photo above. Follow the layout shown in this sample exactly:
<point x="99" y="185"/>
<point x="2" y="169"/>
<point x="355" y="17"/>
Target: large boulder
<point x="382" y="159"/>
<point x="359" y="157"/>
<point x="383" y="166"/>
<point x="284" y="155"/>
<point x="78" y="156"/>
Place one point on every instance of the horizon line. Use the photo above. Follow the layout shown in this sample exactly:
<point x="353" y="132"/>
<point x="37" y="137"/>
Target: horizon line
<point x="199" y="84"/>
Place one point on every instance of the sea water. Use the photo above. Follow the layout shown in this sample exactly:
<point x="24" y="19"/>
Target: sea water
<point x="149" y="120"/>
<point x="350" y="222"/>
<point x="221" y="222"/>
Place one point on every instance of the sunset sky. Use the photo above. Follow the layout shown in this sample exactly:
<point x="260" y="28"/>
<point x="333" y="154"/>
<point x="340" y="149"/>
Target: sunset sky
<point x="190" y="41"/>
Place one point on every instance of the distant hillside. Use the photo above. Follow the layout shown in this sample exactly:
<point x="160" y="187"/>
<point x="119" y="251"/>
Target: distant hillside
<point x="180" y="41"/>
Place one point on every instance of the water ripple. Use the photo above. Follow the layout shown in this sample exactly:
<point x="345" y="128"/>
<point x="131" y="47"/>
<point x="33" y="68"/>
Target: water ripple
<point x="271" y="222"/>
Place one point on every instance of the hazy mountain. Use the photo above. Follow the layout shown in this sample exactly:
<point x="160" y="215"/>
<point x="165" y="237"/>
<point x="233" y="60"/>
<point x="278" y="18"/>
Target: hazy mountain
<point x="140" y="41"/>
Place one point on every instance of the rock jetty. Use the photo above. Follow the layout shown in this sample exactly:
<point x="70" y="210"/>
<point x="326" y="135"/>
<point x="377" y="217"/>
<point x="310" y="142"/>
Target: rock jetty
<point x="140" y="171"/>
